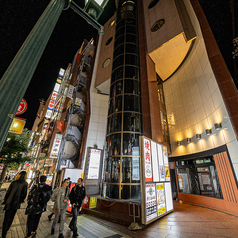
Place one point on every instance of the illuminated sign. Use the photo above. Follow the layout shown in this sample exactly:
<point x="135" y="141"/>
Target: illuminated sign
<point x="51" y="104"/>
<point x="94" y="163"/>
<point x="54" y="96"/>
<point x="57" y="87"/>
<point x="17" y="126"/>
<point x="160" y="198"/>
<point x="48" y="114"/>
<point x="150" y="196"/>
<point x="147" y="160"/>
<point x="22" y="107"/>
<point x="70" y="91"/>
<point x="56" y="146"/>
<point x="92" y="202"/>
<point x="166" y="163"/>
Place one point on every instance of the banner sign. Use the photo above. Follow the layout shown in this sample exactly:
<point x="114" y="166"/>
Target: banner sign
<point x="147" y="161"/>
<point x="17" y="126"/>
<point x="94" y="163"/>
<point x="150" y="195"/>
<point x="56" y="146"/>
<point x="22" y="107"/>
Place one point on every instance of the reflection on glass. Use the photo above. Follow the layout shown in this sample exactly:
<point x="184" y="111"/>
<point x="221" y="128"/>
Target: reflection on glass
<point x="112" y="191"/>
<point x="132" y="122"/>
<point x="131" y="170"/>
<point x="114" y="144"/>
<point x="132" y="103"/>
<point x="116" y="88"/>
<point x="119" y="50"/>
<point x="131" y="59"/>
<point x="117" y="74"/>
<point x="115" y="104"/>
<point x="131" y="72"/>
<point x="112" y="170"/>
<point x="130" y="192"/>
<point x="131" y="144"/>
<point x="118" y="61"/>
<point x="131" y="86"/>
<point x="114" y="123"/>
<point x="132" y="48"/>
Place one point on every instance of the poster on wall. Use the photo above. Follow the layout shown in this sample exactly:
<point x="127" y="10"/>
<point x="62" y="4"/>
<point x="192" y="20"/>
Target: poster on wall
<point x="92" y="202"/>
<point x="160" y="198"/>
<point x="147" y="161"/>
<point x="150" y="196"/>
<point x="135" y="168"/>
<point x="94" y="164"/>
<point x="155" y="162"/>
<point x="161" y="162"/>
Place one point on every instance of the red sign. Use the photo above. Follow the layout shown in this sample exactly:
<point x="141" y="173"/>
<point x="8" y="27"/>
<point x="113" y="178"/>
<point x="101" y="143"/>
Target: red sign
<point x="22" y="107"/>
<point x="147" y="161"/>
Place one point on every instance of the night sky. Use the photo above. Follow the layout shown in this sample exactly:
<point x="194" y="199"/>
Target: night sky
<point x="17" y="18"/>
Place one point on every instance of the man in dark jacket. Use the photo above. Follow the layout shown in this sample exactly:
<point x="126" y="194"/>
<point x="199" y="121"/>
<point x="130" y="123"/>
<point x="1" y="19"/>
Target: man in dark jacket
<point x="36" y="205"/>
<point x="15" y="195"/>
<point x="76" y="198"/>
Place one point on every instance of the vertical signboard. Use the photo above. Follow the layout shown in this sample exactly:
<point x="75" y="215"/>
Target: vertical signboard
<point x="147" y="161"/>
<point x="156" y="191"/>
<point x="94" y="164"/>
<point x="56" y="146"/>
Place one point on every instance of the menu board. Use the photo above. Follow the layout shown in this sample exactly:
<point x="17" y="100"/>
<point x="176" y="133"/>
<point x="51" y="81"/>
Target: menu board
<point x="160" y="198"/>
<point x="150" y="195"/>
<point x="94" y="164"/>
<point x="147" y="161"/>
<point x="135" y="168"/>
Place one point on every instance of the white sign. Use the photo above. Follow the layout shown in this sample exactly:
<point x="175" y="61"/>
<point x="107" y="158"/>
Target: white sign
<point x="135" y="168"/>
<point x="61" y="72"/>
<point x="94" y="163"/>
<point x="161" y="162"/>
<point x="56" y="88"/>
<point x="70" y="91"/>
<point x="56" y="146"/>
<point x="48" y="114"/>
<point x="1" y="168"/>
<point x="150" y="198"/>
<point x="155" y="162"/>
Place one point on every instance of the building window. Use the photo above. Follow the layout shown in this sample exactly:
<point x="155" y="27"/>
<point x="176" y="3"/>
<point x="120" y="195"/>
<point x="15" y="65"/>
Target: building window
<point x="111" y="23"/>
<point x="153" y="3"/>
<point x="160" y="93"/>
<point x="198" y="176"/>
<point x="157" y="25"/>
<point x="164" y="125"/>
<point x="109" y="41"/>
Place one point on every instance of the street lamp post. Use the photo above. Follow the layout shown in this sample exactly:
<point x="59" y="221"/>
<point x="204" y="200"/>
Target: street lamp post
<point x="16" y="79"/>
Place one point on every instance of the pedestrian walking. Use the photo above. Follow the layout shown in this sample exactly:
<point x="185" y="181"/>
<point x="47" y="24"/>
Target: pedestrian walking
<point x="15" y="195"/>
<point x="53" y="198"/>
<point x="60" y="206"/>
<point x="36" y="205"/>
<point x="76" y="198"/>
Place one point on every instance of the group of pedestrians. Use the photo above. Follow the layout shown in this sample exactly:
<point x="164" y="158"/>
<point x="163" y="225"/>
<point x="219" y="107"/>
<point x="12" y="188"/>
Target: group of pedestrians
<point x="37" y="200"/>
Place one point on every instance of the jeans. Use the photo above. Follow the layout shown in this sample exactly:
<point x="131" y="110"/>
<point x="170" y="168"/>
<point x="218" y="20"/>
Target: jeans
<point x="62" y="219"/>
<point x="73" y="223"/>
<point x="32" y="223"/>
<point x="8" y="219"/>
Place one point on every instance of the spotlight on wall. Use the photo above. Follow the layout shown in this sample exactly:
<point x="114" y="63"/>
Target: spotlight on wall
<point x="217" y="126"/>
<point x="208" y="131"/>
<point x="198" y="136"/>
<point x="179" y="142"/>
<point x="188" y="140"/>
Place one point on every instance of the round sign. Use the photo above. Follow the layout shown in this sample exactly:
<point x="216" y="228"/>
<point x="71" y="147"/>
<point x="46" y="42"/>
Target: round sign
<point x="22" y="107"/>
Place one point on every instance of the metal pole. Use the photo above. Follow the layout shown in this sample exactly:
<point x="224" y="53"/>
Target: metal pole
<point x="16" y="79"/>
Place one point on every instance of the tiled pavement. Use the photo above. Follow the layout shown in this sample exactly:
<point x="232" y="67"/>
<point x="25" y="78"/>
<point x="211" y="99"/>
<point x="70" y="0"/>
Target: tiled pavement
<point x="186" y="221"/>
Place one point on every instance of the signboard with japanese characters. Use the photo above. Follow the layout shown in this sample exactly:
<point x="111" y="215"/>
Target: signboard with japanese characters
<point x="150" y="195"/>
<point x="156" y="194"/>
<point x="56" y="146"/>
<point x="147" y="161"/>
<point x="22" y="107"/>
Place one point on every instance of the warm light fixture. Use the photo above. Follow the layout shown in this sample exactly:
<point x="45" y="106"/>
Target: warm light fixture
<point x="198" y="136"/>
<point x="188" y="140"/>
<point x="179" y="142"/>
<point x="208" y="131"/>
<point x="217" y="126"/>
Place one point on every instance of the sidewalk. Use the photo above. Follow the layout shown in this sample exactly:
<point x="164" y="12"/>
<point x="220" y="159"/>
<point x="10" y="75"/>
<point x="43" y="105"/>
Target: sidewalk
<point x="186" y="221"/>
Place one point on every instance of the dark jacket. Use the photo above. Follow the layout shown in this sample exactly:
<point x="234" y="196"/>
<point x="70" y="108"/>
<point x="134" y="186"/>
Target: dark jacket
<point x="15" y="195"/>
<point x="77" y="195"/>
<point x="38" y="198"/>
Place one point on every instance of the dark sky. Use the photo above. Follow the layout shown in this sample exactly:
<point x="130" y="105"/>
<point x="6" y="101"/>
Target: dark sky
<point x="17" y="18"/>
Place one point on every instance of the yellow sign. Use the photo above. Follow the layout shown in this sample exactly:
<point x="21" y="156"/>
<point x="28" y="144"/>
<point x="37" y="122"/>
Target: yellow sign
<point x="17" y="126"/>
<point x="93" y="202"/>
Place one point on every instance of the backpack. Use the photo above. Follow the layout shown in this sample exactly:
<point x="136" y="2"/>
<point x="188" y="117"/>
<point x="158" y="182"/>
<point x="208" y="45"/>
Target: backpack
<point x="54" y="194"/>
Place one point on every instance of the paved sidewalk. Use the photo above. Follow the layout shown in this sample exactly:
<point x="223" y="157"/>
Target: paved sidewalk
<point x="186" y="221"/>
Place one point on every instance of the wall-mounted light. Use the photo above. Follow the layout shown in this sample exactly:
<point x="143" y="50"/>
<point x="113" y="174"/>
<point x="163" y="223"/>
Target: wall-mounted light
<point x="179" y="142"/>
<point x="217" y="126"/>
<point x="188" y="140"/>
<point x="198" y="136"/>
<point x="208" y="131"/>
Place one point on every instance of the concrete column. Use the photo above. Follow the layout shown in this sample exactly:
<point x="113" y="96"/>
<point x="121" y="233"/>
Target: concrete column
<point x="16" y="79"/>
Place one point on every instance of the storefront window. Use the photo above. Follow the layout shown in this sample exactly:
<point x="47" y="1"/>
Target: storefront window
<point x="198" y="176"/>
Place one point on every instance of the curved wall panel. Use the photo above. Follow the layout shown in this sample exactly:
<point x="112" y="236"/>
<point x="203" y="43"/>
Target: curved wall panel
<point x="194" y="103"/>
